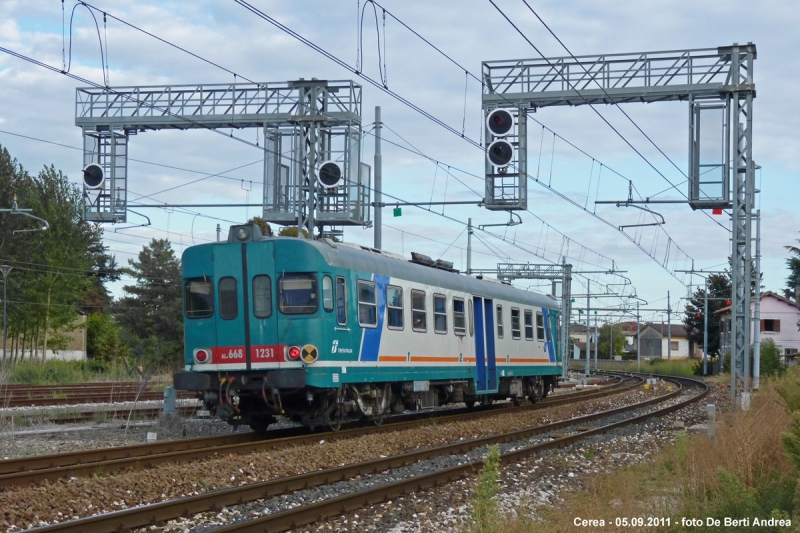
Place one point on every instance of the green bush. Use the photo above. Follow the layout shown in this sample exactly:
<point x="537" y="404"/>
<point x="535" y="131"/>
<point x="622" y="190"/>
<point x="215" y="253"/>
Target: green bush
<point x="770" y="362"/>
<point x="53" y="371"/>
<point x="485" y="517"/>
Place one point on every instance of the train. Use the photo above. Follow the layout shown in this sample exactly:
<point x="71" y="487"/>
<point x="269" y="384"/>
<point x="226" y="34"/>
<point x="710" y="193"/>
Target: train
<point x="325" y="332"/>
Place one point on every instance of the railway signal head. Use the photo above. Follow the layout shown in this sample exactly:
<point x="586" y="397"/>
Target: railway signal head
<point x="93" y="176"/>
<point x="500" y="153"/>
<point x="500" y="122"/>
<point x="330" y="174"/>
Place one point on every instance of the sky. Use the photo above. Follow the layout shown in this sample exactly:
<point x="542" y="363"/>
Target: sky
<point x="586" y="161"/>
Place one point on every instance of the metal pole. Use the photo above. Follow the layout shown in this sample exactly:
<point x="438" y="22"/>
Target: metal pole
<point x="638" y="342"/>
<point x="669" y="330"/>
<point x="218" y="232"/>
<point x="596" y="338"/>
<point x="469" y="247"/>
<point x="379" y="182"/>
<point x="610" y="341"/>
<point x="566" y="315"/>
<point x="757" y="310"/>
<point x="588" y="304"/>
<point x="705" y="331"/>
<point x="5" y="269"/>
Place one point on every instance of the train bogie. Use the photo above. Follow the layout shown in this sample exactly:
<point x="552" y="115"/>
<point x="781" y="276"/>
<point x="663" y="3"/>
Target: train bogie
<point x="324" y="332"/>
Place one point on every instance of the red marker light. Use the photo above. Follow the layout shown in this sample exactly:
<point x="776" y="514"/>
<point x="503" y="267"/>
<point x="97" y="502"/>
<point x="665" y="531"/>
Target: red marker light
<point x="294" y="353"/>
<point x="699" y="315"/>
<point x="716" y="211"/>
<point x="727" y="302"/>
<point x="201" y="356"/>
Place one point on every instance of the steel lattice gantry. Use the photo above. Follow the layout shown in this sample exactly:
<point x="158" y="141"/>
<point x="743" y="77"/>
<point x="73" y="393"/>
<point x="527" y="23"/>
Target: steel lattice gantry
<point x="718" y="83"/>
<point x="305" y="123"/>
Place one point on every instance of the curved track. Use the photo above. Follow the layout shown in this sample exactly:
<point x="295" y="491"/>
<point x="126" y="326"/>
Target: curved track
<point x="187" y="506"/>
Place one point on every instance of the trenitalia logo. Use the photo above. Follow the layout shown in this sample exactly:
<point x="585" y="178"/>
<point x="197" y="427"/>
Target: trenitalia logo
<point x="335" y="348"/>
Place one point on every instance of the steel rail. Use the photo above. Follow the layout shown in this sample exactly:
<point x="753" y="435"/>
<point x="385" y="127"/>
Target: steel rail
<point x="77" y="399"/>
<point x="186" y="506"/>
<point x="79" y="464"/>
<point x="309" y="514"/>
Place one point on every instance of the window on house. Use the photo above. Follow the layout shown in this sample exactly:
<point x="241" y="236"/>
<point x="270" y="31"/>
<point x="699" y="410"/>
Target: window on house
<point x="228" y="299"/>
<point x="771" y="325"/>
<point x="539" y="326"/>
<point x="528" y="325"/>
<point x="459" y="317"/>
<point x="673" y="345"/>
<point x="262" y="296"/>
<point x="439" y="313"/>
<point x="394" y="307"/>
<point x="515" y="326"/>
<point x="367" y="304"/>
<point x="341" y="302"/>
<point x="418" y="317"/>
<point x="499" y="321"/>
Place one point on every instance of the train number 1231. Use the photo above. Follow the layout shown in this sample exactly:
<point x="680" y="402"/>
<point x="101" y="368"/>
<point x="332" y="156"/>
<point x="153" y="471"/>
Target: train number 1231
<point x="264" y="353"/>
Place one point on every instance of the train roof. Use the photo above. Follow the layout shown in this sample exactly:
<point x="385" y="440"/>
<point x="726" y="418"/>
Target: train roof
<point x="354" y="256"/>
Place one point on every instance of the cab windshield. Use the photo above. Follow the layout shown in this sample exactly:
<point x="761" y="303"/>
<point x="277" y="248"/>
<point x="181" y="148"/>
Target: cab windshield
<point x="297" y="294"/>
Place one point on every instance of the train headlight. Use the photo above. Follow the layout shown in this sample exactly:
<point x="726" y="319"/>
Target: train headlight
<point x="293" y="354"/>
<point x="242" y="233"/>
<point x="202" y="356"/>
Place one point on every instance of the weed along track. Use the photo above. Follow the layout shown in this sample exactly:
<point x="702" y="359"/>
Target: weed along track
<point x="330" y="466"/>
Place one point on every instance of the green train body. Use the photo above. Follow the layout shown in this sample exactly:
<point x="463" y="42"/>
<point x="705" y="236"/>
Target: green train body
<point x="323" y="332"/>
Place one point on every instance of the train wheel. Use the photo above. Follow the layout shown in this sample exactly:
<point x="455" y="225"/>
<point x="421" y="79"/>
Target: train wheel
<point x="260" y="424"/>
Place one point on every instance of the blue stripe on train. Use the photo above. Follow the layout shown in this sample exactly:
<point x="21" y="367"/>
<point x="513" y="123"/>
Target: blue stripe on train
<point x="372" y="336"/>
<point x="548" y="335"/>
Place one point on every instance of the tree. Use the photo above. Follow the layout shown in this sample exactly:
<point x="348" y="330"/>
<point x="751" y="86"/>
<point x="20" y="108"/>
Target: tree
<point x="262" y="224"/>
<point x="52" y="268"/>
<point x="151" y="315"/>
<point x="770" y="360"/>
<point x="793" y="263"/>
<point x="610" y="335"/>
<point x="719" y="291"/>
<point x="291" y="231"/>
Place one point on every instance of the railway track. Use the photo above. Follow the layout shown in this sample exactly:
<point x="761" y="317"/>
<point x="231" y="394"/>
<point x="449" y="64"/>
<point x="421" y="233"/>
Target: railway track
<point x="22" y="471"/>
<point x="49" y="395"/>
<point x="306" y="514"/>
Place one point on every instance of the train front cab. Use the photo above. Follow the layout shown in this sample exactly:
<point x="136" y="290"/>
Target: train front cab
<point x="232" y="353"/>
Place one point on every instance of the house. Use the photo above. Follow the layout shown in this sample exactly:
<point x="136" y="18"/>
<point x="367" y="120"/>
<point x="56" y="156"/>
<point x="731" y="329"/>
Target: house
<point x="674" y="337"/>
<point x="780" y="319"/>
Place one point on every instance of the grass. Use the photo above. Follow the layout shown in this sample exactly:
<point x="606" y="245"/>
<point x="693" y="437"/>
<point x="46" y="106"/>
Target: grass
<point x="55" y="372"/>
<point x="742" y="472"/>
<point x="676" y="367"/>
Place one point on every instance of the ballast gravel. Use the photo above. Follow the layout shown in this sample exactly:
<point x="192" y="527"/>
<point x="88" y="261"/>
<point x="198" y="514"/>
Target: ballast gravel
<point x="41" y="504"/>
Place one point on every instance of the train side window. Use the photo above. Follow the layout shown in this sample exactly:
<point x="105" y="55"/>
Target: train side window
<point x="297" y="294"/>
<point x="367" y="304"/>
<point x="540" y="327"/>
<point x="471" y="320"/>
<point x="228" y="299"/>
<point x="418" y="317"/>
<point x="528" y="325"/>
<point x="262" y="296"/>
<point x="499" y="321"/>
<point x="439" y="313"/>
<point x="394" y="307"/>
<point x="459" y="318"/>
<point x="327" y="293"/>
<point x="515" y="323"/>
<point x="198" y="298"/>
<point x="341" y="301"/>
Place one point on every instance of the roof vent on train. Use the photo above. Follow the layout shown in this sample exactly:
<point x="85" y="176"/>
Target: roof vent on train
<point x="422" y="259"/>
<point x="244" y="233"/>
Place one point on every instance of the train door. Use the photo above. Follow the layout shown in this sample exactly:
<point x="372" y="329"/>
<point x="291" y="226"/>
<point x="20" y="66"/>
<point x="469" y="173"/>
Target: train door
<point x="485" y="362"/>
<point x="232" y="346"/>
<point x="262" y="319"/>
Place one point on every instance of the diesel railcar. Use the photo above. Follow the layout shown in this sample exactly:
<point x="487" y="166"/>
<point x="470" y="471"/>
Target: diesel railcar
<point x="322" y="332"/>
